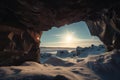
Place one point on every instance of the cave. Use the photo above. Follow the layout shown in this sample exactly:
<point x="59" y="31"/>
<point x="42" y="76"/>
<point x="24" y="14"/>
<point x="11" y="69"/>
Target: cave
<point x="22" y="23"/>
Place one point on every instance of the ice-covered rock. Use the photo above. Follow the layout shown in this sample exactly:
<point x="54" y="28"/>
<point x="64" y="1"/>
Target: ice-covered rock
<point x="62" y="53"/>
<point x="72" y="54"/>
<point x="44" y="55"/>
<point x="93" y="50"/>
<point x="78" y="50"/>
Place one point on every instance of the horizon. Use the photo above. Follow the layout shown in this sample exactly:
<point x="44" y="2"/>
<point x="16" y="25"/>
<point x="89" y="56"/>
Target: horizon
<point x="67" y="47"/>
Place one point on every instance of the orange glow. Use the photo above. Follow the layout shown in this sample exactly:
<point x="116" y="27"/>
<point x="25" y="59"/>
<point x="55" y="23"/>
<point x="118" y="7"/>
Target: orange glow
<point x="38" y="38"/>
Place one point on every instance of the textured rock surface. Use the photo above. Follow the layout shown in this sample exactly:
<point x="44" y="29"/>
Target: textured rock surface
<point x="105" y="25"/>
<point x="18" y="47"/>
<point x="102" y="16"/>
<point x="33" y="16"/>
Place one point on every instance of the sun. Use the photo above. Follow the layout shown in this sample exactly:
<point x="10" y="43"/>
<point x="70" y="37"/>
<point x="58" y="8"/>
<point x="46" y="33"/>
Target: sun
<point x="69" y="38"/>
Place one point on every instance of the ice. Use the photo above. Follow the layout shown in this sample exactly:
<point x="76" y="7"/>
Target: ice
<point x="62" y="53"/>
<point x="72" y="53"/>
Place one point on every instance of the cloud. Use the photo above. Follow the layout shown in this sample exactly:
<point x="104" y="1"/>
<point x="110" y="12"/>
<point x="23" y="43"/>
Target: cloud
<point x="57" y="36"/>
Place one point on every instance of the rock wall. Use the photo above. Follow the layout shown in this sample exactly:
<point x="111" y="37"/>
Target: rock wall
<point x="105" y="25"/>
<point x="34" y="14"/>
<point x="21" y="21"/>
<point x="19" y="46"/>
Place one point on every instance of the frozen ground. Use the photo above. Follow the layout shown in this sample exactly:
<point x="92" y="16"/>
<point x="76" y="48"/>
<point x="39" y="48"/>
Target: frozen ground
<point x="58" y="70"/>
<point x="104" y="66"/>
<point x="71" y="54"/>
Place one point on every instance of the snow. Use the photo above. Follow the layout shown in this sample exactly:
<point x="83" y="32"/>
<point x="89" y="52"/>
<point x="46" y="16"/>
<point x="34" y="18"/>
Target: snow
<point x="58" y="62"/>
<point x="62" y="53"/>
<point x="68" y="53"/>
<point x="93" y="63"/>
<point x="106" y="65"/>
<point x="35" y="71"/>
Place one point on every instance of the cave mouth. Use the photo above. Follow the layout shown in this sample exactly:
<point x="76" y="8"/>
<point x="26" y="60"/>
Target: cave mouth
<point x="69" y="41"/>
<point x="23" y="45"/>
<point x="72" y="35"/>
<point x="22" y="23"/>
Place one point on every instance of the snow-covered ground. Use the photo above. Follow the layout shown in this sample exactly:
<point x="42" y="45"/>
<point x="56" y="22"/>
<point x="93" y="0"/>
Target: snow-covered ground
<point x="35" y="71"/>
<point x="71" y="54"/>
<point x="86" y="65"/>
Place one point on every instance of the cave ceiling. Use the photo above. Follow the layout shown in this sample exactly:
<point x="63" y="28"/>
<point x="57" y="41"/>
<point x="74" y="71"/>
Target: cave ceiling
<point x="22" y="23"/>
<point x="41" y="15"/>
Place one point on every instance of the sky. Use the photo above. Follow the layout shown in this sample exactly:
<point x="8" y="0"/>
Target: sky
<point x="72" y="35"/>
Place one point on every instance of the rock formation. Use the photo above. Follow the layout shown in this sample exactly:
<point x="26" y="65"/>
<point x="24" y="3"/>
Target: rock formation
<point x="22" y="23"/>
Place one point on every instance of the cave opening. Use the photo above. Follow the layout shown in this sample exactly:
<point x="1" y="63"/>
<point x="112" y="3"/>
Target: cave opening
<point x="22" y="23"/>
<point x="71" y="35"/>
<point x="72" y="40"/>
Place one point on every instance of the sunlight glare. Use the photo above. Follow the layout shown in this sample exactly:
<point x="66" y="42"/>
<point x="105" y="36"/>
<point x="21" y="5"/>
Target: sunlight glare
<point x="69" y="38"/>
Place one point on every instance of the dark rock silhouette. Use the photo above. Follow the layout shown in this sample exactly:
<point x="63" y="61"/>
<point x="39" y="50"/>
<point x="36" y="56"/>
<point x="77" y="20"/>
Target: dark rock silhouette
<point x="60" y="77"/>
<point x="25" y="48"/>
<point x="28" y="18"/>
